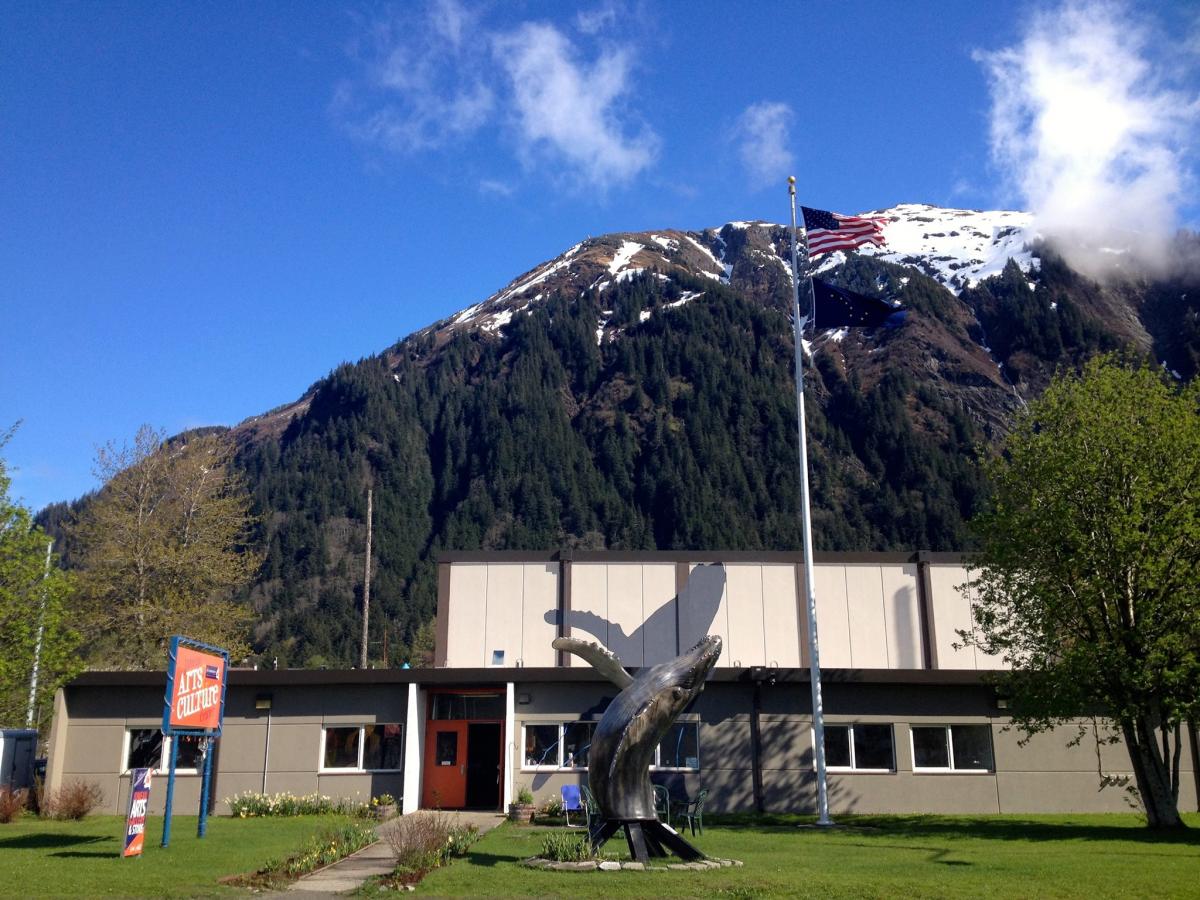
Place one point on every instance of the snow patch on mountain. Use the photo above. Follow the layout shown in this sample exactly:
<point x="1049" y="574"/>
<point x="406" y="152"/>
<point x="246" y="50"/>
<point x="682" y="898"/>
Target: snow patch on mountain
<point x="958" y="247"/>
<point x="624" y="255"/>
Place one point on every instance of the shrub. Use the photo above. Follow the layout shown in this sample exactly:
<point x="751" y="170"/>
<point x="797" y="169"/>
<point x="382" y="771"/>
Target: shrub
<point x="327" y="847"/>
<point x="524" y="795"/>
<point x="426" y="840"/>
<point x="562" y="847"/>
<point x="250" y="805"/>
<point x="73" y="800"/>
<point x="12" y="804"/>
<point x="552" y="808"/>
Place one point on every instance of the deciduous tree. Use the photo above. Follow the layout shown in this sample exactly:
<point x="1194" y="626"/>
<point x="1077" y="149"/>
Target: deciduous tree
<point x="162" y="547"/>
<point x="32" y="618"/>
<point x="1089" y="572"/>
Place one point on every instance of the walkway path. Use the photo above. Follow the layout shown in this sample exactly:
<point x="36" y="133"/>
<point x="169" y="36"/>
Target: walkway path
<point x="378" y="859"/>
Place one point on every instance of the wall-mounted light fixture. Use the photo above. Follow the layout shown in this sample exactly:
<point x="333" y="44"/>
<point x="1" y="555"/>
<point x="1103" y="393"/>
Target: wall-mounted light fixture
<point x="262" y="701"/>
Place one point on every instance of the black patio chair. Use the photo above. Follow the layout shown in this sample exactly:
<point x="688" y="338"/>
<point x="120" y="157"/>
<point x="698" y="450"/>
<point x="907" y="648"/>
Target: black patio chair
<point x="691" y="812"/>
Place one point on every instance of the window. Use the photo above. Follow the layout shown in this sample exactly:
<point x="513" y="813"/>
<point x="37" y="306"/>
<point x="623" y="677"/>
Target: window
<point x="146" y="748"/>
<point x="861" y="747"/>
<point x="362" y="748"/>
<point x="680" y="747"/>
<point x="541" y="747"/>
<point x="557" y="745"/>
<point x="467" y="706"/>
<point x="966" y="748"/>
<point x="577" y="740"/>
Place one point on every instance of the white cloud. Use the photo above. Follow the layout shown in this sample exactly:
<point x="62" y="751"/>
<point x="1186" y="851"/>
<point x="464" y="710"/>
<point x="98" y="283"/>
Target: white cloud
<point x="566" y="110"/>
<point x="763" y="136"/>
<point x="496" y="188"/>
<point x="433" y="81"/>
<point x="1086" y="127"/>
<point x="423" y="87"/>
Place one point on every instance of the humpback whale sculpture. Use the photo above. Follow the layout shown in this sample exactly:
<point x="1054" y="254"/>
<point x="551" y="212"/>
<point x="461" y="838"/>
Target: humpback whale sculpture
<point x="623" y="745"/>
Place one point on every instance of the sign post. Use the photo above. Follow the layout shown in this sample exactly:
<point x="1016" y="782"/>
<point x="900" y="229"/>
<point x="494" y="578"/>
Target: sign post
<point x="194" y="706"/>
<point x="135" y="819"/>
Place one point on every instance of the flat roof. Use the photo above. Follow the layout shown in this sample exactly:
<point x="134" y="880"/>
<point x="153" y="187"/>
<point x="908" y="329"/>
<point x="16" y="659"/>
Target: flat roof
<point x="530" y="675"/>
<point x="730" y="556"/>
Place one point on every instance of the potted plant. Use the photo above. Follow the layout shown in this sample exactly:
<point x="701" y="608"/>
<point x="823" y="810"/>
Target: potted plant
<point x="523" y="809"/>
<point x="383" y="806"/>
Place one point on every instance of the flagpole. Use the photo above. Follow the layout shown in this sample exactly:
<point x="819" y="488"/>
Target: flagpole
<point x="814" y="663"/>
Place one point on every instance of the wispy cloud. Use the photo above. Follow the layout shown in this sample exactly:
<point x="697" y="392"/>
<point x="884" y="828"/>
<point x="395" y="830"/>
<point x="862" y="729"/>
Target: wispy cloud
<point x="435" y="81"/>
<point x="422" y="85"/>
<point x="1087" y="127"/>
<point x="566" y="108"/>
<point x="763" y="136"/>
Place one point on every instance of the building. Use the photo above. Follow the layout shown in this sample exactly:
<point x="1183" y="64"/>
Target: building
<point x="912" y="724"/>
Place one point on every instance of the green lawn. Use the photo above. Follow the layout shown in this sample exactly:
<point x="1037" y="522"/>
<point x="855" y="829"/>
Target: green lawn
<point x="875" y="856"/>
<point x="82" y="859"/>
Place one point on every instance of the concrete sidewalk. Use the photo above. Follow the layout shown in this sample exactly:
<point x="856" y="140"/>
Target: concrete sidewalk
<point x="377" y="859"/>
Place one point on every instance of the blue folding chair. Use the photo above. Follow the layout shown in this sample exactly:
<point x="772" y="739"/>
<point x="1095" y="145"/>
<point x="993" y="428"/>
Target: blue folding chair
<point x="572" y="803"/>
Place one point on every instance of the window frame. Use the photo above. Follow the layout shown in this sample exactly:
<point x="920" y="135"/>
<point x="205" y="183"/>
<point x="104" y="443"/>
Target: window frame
<point x="849" y="726"/>
<point x="357" y="769"/>
<point x="164" y="758"/>
<point x="948" y="732"/>
<point x="561" y="724"/>
<point x="656" y="767"/>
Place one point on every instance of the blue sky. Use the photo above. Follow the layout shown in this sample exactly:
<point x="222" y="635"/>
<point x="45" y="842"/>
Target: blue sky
<point x="206" y="207"/>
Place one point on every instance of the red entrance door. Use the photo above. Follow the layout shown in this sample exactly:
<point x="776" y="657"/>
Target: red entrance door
<point x="445" y="765"/>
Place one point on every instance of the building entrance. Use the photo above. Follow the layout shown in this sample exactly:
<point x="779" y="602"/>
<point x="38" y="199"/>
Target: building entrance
<point x="464" y="740"/>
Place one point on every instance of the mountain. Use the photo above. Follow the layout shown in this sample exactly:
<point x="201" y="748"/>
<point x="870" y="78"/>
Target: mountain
<point x="636" y="392"/>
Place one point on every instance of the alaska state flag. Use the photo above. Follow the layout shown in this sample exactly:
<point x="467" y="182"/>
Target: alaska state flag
<point x="836" y="307"/>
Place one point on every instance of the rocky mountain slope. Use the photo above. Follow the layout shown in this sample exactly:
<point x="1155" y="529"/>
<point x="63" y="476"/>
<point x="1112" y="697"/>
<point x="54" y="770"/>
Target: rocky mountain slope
<point x="636" y="392"/>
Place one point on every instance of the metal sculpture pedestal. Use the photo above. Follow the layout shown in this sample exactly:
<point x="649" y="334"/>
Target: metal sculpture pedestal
<point x="646" y="838"/>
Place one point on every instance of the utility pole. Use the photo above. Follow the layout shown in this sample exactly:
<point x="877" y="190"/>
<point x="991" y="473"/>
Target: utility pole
<point x="362" y="660"/>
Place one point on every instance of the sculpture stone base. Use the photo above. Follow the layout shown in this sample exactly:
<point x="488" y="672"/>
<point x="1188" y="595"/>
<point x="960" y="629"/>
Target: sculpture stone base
<point x="646" y="838"/>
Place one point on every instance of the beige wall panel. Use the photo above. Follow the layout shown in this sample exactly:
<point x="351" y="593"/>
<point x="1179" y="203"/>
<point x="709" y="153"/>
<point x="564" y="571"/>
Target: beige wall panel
<point x="744" y="592"/>
<point x="951" y="613"/>
<point x="658" y="608"/>
<point x="781" y="616"/>
<point x="1048" y="751"/>
<point x="242" y="748"/>
<point x="982" y="660"/>
<point x="230" y="783"/>
<point x="786" y="743"/>
<point x="902" y="616"/>
<point x="360" y="703"/>
<point x="1035" y="792"/>
<point x="833" y="624"/>
<point x="865" y="614"/>
<point x="94" y="749"/>
<point x="704" y="607"/>
<point x="291" y="782"/>
<point x="295" y="748"/>
<point x="625" y="612"/>
<point x="539" y="614"/>
<point x="730" y="790"/>
<point x="351" y="787"/>
<point x="467" y="611"/>
<point x="502" y="630"/>
<point x="589" y="606"/>
<point x="186" y="801"/>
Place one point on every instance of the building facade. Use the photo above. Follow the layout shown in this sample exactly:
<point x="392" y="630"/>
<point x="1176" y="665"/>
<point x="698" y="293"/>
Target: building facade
<point x="912" y="723"/>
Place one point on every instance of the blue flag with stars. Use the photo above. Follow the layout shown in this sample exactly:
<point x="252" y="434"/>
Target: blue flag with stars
<point x="836" y="307"/>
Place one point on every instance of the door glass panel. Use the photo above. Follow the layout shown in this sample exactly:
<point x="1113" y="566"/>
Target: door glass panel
<point x="446" y="748"/>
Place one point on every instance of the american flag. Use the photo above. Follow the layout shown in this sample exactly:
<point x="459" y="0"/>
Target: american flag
<point x="828" y="231"/>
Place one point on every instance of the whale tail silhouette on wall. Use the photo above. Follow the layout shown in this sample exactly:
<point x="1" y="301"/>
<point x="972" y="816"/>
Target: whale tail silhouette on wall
<point x="688" y="616"/>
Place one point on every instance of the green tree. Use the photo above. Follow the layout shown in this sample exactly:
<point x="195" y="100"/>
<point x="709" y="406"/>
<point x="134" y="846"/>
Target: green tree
<point x="32" y="612"/>
<point x="1089" y="573"/>
<point x="162" y="546"/>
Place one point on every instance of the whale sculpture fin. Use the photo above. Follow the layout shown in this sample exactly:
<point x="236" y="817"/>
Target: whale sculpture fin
<point x="601" y="659"/>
